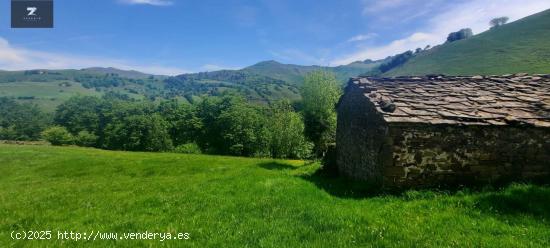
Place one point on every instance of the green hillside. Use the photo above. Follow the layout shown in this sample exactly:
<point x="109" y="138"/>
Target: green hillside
<point x="521" y="46"/>
<point x="295" y="73"/>
<point x="255" y="87"/>
<point x="262" y="83"/>
<point x="239" y="202"/>
<point x="49" y="88"/>
<point x="123" y="73"/>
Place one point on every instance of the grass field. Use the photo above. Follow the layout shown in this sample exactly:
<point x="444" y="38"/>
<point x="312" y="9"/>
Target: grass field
<point x="240" y="202"/>
<point x="48" y="95"/>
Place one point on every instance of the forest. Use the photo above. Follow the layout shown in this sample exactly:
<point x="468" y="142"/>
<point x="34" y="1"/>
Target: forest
<point x="225" y="124"/>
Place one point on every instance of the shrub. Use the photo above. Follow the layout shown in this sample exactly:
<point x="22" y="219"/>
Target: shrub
<point x="189" y="148"/>
<point x="287" y="133"/>
<point x="460" y="35"/>
<point x="57" y="136"/>
<point x="320" y="94"/>
<point x="85" y="138"/>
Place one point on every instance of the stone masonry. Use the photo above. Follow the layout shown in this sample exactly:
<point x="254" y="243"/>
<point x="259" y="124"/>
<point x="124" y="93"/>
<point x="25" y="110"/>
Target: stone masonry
<point x="434" y="130"/>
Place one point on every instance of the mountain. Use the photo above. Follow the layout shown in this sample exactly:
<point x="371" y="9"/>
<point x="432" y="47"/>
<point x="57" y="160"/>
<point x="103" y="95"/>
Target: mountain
<point x="266" y="81"/>
<point x="295" y="73"/>
<point x="286" y="72"/>
<point x="123" y="73"/>
<point x="521" y="46"/>
<point x="255" y="87"/>
<point x="262" y="83"/>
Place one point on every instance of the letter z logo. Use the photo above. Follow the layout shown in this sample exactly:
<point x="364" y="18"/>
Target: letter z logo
<point x="32" y="11"/>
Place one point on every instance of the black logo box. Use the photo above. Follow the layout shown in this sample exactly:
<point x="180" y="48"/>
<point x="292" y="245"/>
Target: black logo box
<point x="21" y="16"/>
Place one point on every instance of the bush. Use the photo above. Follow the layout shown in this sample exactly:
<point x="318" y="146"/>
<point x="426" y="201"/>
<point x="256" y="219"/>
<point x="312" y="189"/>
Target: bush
<point x="460" y="35"/>
<point x="320" y="94"/>
<point x="287" y="133"/>
<point x="85" y="138"/>
<point x="57" y="136"/>
<point x="189" y="148"/>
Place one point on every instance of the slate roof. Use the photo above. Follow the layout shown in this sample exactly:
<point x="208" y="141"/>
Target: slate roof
<point x="518" y="99"/>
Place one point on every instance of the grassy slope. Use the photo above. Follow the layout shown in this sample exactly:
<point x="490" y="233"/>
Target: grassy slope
<point x="238" y="202"/>
<point x="521" y="46"/>
<point x="50" y="90"/>
<point x="47" y="95"/>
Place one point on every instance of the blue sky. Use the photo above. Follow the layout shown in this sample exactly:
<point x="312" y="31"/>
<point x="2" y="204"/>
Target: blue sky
<point x="177" y="36"/>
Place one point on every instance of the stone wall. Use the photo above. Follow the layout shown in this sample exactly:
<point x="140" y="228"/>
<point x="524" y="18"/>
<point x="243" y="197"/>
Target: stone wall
<point x="421" y="154"/>
<point x="360" y="137"/>
<point x="425" y="155"/>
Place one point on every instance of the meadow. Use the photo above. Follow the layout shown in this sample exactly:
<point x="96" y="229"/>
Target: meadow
<point x="244" y="202"/>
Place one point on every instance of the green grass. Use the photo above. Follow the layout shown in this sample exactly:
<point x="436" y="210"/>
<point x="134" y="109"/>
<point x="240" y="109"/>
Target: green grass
<point x="47" y="95"/>
<point x="240" y="202"/>
<point x="521" y="46"/>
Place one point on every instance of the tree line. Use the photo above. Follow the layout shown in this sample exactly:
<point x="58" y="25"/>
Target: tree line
<point x="227" y="124"/>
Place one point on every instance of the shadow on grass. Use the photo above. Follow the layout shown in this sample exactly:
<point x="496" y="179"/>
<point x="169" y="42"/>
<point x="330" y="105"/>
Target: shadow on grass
<point x="523" y="199"/>
<point x="527" y="198"/>
<point x="277" y="166"/>
<point x="342" y="187"/>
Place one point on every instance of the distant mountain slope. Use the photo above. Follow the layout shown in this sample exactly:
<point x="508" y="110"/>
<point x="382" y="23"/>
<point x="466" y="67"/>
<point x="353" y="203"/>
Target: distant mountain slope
<point x="49" y="88"/>
<point x="295" y="73"/>
<point x="286" y="72"/>
<point x="123" y="73"/>
<point x="263" y="83"/>
<point x="521" y="46"/>
<point x="255" y="87"/>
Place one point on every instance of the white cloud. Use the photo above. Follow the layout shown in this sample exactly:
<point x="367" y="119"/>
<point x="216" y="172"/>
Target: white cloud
<point x="474" y="14"/>
<point x="148" y="2"/>
<point x="362" y="37"/>
<point x="14" y="58"/>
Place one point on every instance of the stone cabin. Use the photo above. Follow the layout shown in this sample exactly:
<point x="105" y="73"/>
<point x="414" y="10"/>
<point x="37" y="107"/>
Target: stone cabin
<point x="440" y="130"/>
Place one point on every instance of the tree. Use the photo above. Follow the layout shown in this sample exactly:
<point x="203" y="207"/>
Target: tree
<point x="208" y="131"/>
<point x="243" y="130"/>
<point x="183" y="123"/>
<point x="57" y="136"/>
<point x="499" y="21"/>
<point x="287" y="139"/>
<point x="21" y="121"/>
<point x="460" y="35"/>
<point x="79" y="113"/>
<point x="138" y="133"/>
<point x="320" y="94"/>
